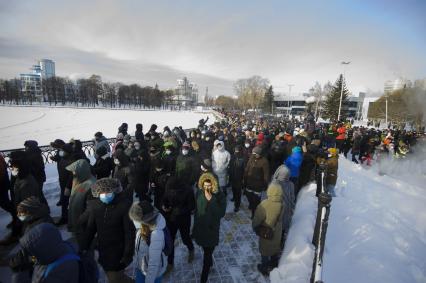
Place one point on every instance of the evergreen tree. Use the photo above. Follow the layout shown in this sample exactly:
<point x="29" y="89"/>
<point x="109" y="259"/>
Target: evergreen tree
<point x="332" y="102"/>
<point x="268" y="100"/>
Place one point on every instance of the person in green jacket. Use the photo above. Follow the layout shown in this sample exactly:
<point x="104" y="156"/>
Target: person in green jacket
<point x="210" y="208"/>
<point x="81" y="184"/>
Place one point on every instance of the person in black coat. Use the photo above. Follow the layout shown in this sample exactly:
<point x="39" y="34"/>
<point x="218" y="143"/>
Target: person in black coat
<point x="25" y="186"/>
<point x="140" y="176"/>
<point x="31" y="212"/>
<point x="139" y="132"/>
<point x="65" y="180"/>
<point x="104" y="164"/>
<point x="109" y="220"/>
<point x="236" y="175"/>
<point x="158" y="182"/>
<point x="123" y="129"/>
<point x="169" y="159"/>
<point x="78" y="152"/>
<point x="36" y="162"/>
<point x="178" y="203"/>
<point x="123" y="172"/>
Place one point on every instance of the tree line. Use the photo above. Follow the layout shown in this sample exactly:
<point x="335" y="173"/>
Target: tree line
<point x="88" y="92"/>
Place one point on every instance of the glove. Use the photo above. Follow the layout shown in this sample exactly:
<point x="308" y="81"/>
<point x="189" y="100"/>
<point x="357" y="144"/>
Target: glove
<point x="19" y="262"/>
<point x="126" y="260"/>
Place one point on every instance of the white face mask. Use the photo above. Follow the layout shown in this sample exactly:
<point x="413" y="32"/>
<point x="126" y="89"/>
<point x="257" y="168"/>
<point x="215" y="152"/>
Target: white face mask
<point x="61" y="153"/>
<point x="15" y="172"/>
<point x="203" y="169"/>
<point x="137" y="147"/>
<point x="247" y="145"/>
<point x="168" y="152"/>
<point x="23" y="217"/>
<point x="185" y="152"/>
<point x="116" y="161"/>
<point x="137" y="224"/>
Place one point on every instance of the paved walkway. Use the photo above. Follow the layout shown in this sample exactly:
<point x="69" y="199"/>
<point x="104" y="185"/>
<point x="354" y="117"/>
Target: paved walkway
<point x="235" y="259"/>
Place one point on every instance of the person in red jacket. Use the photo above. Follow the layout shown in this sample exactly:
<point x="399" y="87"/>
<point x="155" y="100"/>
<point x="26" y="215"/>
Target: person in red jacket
<point x="341" y="135"/>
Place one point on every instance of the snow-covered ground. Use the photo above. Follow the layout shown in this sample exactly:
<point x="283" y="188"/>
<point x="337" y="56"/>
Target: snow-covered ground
<point x="376" y="231"/>
<point x="45" y="124"/>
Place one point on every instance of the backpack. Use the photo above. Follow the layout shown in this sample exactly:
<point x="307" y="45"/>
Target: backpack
<point x="87" y="267"/>
<point x="168" y="244"/>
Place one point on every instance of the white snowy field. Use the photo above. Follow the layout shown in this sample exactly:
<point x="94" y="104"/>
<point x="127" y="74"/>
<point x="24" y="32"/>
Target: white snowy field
<point x="376" y="231"/>
<point x="45" y="124"/>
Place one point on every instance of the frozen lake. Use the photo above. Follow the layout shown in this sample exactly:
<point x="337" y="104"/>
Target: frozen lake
<point x="45" y="124"/>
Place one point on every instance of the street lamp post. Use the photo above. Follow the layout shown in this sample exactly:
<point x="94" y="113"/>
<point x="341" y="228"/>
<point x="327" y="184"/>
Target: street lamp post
<point x="341" y="90"/>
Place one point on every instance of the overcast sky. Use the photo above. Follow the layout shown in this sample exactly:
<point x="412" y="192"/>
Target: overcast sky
<point x="216" y="42"/>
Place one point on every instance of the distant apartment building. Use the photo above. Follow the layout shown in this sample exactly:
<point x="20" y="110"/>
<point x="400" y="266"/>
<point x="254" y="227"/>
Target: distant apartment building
<point x="31" y="83"/>
<point x="396" y="84"/>
<point x="186" y="93"/>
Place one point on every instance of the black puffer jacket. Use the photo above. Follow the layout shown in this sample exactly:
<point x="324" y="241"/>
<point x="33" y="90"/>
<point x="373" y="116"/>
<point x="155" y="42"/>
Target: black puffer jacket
<point x="45" y="243"/>
<point x="115" y="232"/>
<point x="26" y="186"/>
<point x="123" y="172"/>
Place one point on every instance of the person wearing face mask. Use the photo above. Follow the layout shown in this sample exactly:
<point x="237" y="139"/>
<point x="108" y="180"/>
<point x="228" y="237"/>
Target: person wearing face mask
<point x="185" y="167"/>
<point x="123" y="172"/>
<point x="25" y="186"/>
<point x="65" y="181"/>
<point x="82" y="181"/>
<point x="150" y="260"/>
<point x="169" y="158"/>
<point x="140" y="176"/>
<point x="220" y="163"/>
<point x="256" y="178"/>
<point x="210" y="208"/>
<point x="31" y="212"/>
<point x="109" y="220"/>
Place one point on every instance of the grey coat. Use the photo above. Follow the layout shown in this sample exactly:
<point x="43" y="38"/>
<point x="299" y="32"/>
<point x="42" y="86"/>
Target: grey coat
<point x="282" y="177"/>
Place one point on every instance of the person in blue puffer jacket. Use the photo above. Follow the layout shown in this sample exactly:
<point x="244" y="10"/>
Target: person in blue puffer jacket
<point x="293" y="162"/>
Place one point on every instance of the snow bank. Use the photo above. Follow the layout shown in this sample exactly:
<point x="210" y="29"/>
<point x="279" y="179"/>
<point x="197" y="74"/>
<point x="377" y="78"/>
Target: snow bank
<point x="376" y="231"/>
<point x="297" y="258"/>
<point x="45" y="124"/>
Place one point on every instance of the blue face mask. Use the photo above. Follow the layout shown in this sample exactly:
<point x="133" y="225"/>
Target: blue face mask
<point x="106" y="198"/>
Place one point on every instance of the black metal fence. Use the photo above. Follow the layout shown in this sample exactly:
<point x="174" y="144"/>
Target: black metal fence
<point x="321" y="224"/>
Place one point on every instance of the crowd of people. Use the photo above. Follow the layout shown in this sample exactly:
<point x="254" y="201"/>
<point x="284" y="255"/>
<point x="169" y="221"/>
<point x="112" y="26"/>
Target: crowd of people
<point x="180" y="182"/>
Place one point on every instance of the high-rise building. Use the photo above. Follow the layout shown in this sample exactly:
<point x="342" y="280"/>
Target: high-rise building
<point x="397" y="84"/>
<point x="31" y="83"/>
<point x="47" y="68"/>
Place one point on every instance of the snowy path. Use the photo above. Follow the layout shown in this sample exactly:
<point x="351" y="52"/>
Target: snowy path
<point x="45" y="124"/>
<point x="376" y="232"/>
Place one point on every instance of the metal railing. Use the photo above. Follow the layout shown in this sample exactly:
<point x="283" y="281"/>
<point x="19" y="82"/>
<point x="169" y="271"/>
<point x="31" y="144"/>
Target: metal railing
<point x="321" y="224"/>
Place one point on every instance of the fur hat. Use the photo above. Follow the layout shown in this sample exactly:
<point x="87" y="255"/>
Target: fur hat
<point x="143" y="212"/>
<point x="212" y="178"/>
<point x="106" y="185"/>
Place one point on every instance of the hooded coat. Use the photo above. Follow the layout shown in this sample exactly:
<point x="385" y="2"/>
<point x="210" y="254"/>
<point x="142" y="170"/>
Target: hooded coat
<point x="45" y="243"/>
<point x="150" y="259"/>
<point x="207" y="217"/>
<point x="80" y="191"/>
<point x="179" y="197"/>
<point x="123" y="172"/>
<point x="220" y="163"/>
<point x="36" y="161"/>
<point x="294" y="161"/>
<point x="282" y="177"/>
<point x="269" y="213"/>
<point x="101" y="142"/>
